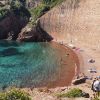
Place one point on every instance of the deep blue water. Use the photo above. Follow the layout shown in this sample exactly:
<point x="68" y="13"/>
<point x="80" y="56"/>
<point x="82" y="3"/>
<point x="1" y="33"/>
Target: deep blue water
<point x="28" y="64"/>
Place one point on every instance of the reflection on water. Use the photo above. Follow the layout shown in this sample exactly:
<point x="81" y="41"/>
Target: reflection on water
<point x="5" y="43"/>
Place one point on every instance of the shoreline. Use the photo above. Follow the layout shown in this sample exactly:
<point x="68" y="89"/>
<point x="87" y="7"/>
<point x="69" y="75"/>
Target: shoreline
<point x="70" y="60"/>
<point x="66" y="62"/>
<point x="81" y="67"/>
<point x="77" y="58"/>
<point x="84" y="55"/>
<point x="86" y="87"/>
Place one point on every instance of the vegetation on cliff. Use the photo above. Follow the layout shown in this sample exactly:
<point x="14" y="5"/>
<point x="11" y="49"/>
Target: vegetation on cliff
<point x="52" y="3"/>
<point x="42" y="8"/>
<point x="3" y="13"/>
<point x="75" y="92"/>
<point x="14" y="6"/>
<point x="14" y="94"/>
<point x="36" y="10"/>
<point x="20" y="13"/>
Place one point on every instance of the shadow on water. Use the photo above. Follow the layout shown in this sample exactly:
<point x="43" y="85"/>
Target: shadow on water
<point x="5" y="43"/>
<point x="9" y="52"/>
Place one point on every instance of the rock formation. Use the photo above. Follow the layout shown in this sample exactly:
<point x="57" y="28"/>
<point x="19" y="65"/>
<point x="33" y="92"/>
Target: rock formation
<point x="74" y="21"/>
<point x="11" y="25"/>
<point x="35" y="34"/>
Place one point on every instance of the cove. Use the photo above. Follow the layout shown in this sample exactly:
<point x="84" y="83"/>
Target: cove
<point x="26" y="65"/>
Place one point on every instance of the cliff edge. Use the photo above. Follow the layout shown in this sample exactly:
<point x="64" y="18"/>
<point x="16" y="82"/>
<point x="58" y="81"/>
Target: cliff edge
<point x="74" y="21"/>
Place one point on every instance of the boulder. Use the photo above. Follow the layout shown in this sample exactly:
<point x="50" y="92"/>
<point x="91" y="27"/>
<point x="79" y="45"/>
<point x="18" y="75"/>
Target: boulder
<point x="79" y="81"/>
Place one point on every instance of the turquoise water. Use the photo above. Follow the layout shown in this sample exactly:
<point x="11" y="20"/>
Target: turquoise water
<point x="28" y="64"/>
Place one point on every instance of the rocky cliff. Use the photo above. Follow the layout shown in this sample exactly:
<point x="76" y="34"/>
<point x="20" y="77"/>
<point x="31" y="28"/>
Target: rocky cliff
<point x="34" y="34"/>
<point x="13" y="22"/>
<point x="74" y="21"/>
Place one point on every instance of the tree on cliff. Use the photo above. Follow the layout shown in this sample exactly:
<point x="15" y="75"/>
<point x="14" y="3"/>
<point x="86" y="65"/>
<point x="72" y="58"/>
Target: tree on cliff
<point x="47" y="1"/>
<point x="19" y="8"/>
<point x="17" y="4"/>
<point x="52" y="3"/>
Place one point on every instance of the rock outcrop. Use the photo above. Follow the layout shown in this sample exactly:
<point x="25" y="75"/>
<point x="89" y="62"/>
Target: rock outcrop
<point x="74" y="21"/>
<point x="14" y="25"/>
<point x="11" y="25"/>
<point x="79" y="81"/>
<point x="34" y="34"/>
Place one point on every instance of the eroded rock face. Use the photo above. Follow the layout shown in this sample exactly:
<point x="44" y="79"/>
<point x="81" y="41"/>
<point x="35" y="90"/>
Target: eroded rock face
<point x="35" y="34"/>
<point x="74" y="21"/>
<point x="14" y="26"/>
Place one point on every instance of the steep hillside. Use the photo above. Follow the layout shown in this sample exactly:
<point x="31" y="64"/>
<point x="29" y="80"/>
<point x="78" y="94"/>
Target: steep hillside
<point x="23" y="13"/>
<point x="74" y="21"/>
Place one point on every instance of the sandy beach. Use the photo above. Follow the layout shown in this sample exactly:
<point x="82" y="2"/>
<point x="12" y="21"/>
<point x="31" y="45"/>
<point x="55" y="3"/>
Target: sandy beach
<point x="69" y="62"/>
<point x="85" y="54"/>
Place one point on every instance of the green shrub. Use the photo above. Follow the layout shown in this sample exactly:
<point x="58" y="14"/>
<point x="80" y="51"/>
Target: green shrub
<point x="2" y="96"/>
<point x="42" y="8"/>
<point x="52" y="3"/>
<point x="3" y="13"/>
<point x="72" y="93"/>
<point x="15" y="4"/>
<point x="14" y="94"/>
<point x="38" y="12"/>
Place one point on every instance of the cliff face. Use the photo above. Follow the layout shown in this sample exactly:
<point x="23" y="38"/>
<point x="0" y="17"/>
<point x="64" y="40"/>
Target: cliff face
<point x="74" y="21"/>
<point x="13" y="25"/>
<point x="35" y="34"/>
<point x="13" y="22"/>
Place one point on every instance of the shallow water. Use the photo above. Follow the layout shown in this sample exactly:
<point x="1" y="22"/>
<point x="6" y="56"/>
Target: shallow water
<point x="28" y="64"/>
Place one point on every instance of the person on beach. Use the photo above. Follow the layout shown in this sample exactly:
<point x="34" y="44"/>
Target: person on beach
<point x="96" y="87"/>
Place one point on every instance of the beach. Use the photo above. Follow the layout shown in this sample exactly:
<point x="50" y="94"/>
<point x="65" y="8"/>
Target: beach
<point x="85" y="55"/>
<point x="69" y="62"/>
<point x="83" y="65"/>
<point x="79" y="65"/>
